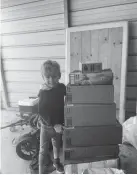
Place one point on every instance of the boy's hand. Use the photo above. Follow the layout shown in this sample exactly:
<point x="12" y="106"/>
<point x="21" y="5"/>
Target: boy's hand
<point x="58" y="128"/>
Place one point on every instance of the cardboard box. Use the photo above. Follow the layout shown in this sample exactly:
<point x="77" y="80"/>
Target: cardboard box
<point x="81" y="167"/>
<point x="90" y="115"/>
<point x="103" y="94"/>
<point x="89" y="154"/>
<point x="92" y="136"/>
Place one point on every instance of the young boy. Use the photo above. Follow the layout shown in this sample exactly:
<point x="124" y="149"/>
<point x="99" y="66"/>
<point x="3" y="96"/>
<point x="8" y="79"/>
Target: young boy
<point x="51" y="110"/>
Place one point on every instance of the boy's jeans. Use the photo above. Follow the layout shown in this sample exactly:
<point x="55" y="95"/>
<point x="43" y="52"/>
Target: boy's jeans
<point x="47" y="134"/>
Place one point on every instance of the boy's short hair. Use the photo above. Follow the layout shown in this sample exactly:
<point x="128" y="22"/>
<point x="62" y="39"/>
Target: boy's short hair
<point x="50" y="68"/>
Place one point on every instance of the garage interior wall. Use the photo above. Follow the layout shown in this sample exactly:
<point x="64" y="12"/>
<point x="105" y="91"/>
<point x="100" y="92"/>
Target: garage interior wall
<point x="33" y="31"/>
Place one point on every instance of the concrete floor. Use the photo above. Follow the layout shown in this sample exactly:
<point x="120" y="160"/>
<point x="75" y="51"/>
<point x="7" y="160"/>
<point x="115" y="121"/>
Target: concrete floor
<point x="11" y="163"/>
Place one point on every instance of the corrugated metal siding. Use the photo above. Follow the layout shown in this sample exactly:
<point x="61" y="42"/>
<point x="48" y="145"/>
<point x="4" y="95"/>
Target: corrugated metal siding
<point x="32" y="32"/>
<point x="86" y="12"/>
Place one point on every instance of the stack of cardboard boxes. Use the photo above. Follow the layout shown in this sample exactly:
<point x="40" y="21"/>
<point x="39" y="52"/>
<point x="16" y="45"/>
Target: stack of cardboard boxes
<point x="91" y="131"/>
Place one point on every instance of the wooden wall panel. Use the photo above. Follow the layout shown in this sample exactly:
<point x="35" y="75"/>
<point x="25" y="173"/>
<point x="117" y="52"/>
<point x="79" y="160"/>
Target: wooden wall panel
<point x="56" y="51"/>
<point x="85" y="46"/>
<point x="31" y="10"/>
<point x="131" y="106"/>
<point x="27" y="77"/>
<point x="94" y="46"/>
<point x="106" y="14"/>
<point x="133" y="47"/>
<point x="132" y="93"/>
<point x="15" y="97"/>
<point x="132" y="63"/>
<point x="32" y="32"/>
<point x="132" y="78"/>
<point x="116" y="38"/>
<point x="26" y="65"/>
<point x="53" y="22"/>
<point x="75" y="40"/>
<point x="104" y="48"/>
<point x="23" y="87"/>
<point x="132" y="29"/>
<point x="77" y="5"/>
<point x="32" y="39"/>
<point x="7" y="3"/>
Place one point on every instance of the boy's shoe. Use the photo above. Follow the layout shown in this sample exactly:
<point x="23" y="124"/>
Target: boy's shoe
<point x="49" y="169"/>
<point x="59" y="167"/>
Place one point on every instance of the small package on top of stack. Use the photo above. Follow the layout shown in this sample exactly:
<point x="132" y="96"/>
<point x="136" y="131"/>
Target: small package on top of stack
<point x="91" y="75"/>
<point x="91" y="131"/>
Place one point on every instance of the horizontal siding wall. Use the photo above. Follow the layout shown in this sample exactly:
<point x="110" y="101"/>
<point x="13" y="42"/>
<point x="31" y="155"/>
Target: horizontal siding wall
<point x="87" y="12"/>
<point x="32" y="32"/>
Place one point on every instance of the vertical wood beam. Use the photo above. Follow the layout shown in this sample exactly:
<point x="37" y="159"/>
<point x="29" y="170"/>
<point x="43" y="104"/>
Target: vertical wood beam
<point x="66" y="13"/>
<point x="4" y="82"/>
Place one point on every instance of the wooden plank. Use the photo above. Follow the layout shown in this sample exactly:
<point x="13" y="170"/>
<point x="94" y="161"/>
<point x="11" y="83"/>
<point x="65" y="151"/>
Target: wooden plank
<point x="131" y="105"/>
<point x="106" y="14"/>
<point x="104" y="51"/>
<point x="132" y="78"/>
<point x="37" y="52"/>
<point x="26" y="65"/>
<point x="32" y="39"/>
<point x="133" y="29"/>
<point x="94" y="46"/>
<point x="3" y="83"/>
<point x="15" y="97"/>
<point x="31" y="10"/>
<point x="75" y="50"/>
<point x="131" y="93"/>
<point x="85" y="47"/>
<point x="66" y="15"/>
<point x="133" y="47"/>
<point x="132" y="63"/>
<point x="76" y="5"/>
<point x="27" y="76"/>
<point x="52" y="22"/>
<point x="116" y="39"/>
<point x="21" y="87"/>
<point x="7" y="3"/>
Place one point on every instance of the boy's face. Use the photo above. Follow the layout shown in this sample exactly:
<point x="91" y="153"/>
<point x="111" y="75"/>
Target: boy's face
<point x="51" y="81"/>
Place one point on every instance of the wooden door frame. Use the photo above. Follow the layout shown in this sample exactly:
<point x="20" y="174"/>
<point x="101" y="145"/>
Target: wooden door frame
<point x="124" y="25"/>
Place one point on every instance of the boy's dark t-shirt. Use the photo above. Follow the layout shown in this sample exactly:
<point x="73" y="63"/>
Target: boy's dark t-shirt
<point x="51" y="104"/>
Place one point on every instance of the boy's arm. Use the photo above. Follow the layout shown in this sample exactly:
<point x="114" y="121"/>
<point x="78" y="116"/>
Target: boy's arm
<point x="64" y="90"/>
<point x="65" y="98"/>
